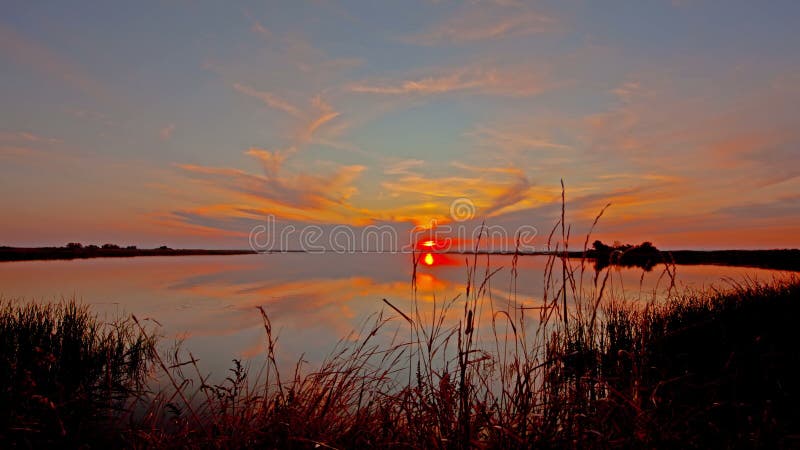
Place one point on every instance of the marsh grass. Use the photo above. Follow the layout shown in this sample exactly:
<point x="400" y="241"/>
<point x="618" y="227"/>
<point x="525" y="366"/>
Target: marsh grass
<point x="64" y="373"/>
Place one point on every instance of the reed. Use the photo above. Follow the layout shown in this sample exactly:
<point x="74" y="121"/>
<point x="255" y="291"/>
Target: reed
<point x="65" y="374"/>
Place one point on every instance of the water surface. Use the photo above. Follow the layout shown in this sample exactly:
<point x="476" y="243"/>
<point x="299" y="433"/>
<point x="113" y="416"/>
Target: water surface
<point x="313" y="299"/>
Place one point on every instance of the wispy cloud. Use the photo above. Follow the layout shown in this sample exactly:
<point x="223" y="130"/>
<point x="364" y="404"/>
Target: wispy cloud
<point x="324" y="114"/>
<point x="286" y="192"/>
<point x="484" y="22"/>
<point x="428" y="85"/>
<point x="424" y="197"/>
<point x="25" y="136"/>
<point x="505" y="81"/>
<point x="403" y="167"/>
<point x="311" y="119"/>
<point x="269" y="99"/>
<point x="25" y="144"/>
<point x="514" y="139"/>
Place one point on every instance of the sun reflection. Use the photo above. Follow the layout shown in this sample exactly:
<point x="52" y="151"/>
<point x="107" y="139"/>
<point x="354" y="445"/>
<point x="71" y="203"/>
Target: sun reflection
<point x="428" y="259"/>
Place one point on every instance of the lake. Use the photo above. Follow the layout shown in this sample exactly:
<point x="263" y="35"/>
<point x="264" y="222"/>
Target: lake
<point x="313" y="300"/>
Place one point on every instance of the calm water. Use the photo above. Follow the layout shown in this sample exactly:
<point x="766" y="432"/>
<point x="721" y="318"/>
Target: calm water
<point x="313" y="299"/>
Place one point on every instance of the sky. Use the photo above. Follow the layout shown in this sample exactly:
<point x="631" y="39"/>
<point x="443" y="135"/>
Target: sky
<point x="188" y="123"/>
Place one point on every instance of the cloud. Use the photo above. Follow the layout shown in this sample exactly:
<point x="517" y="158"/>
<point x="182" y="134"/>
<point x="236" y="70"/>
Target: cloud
<point x="271" y="162"/>
<point x="517" y="81"/>
<point x="318" y="195"/>
<point x="269" y="99"/>
<point x="425" y="198"/>
<point x="514" y="139"/>
<point x="640" y="176"/>
<point x="403" y="167"/>
<point x="325" y="114"/>
<point x="428" y="85"/>
<point x="629" y="91"/>
<point x="312" y="119"/>
<point x="24" y="136"/>
<point x="25" y="144"/>
<point x="325" y="193"/>
<point x="481" y="22"/>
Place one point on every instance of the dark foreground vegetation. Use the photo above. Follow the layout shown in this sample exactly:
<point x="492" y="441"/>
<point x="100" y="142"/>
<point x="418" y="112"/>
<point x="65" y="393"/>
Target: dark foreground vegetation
<point x="76" y="250"/>
<point x="66" y="376"/>
<point x="701" y="370"/>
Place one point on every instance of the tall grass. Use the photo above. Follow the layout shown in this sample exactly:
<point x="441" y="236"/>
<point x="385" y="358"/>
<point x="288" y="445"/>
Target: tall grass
<point x="64" y="373"/>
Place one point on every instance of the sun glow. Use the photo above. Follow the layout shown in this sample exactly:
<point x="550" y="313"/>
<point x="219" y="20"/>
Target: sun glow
<point x="428" y="259"/>
<point x="429" y="243"/>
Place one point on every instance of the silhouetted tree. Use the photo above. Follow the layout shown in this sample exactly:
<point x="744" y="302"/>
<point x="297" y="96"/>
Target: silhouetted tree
<point x="600" y="247"/>
<point x="645" y="255"/>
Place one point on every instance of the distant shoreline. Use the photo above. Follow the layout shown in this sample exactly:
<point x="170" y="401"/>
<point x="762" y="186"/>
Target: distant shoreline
<point x="10" y="254"/>
<point x="785" y="259"/>
<point x="775" y="259"/>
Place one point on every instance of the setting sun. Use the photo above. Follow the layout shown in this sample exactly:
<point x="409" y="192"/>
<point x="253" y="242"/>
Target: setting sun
<point x="428" y="259"/>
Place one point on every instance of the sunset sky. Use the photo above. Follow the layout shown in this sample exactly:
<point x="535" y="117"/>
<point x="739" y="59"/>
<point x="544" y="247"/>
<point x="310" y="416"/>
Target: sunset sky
<point x="186" y="123"/>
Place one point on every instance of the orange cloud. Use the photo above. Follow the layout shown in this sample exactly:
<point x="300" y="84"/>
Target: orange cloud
<point x="284" y="191"/>
<point x="492" y="190"/>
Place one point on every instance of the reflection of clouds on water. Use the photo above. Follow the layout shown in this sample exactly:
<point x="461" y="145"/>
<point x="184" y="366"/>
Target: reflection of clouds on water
<point x="313" y="300"/>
